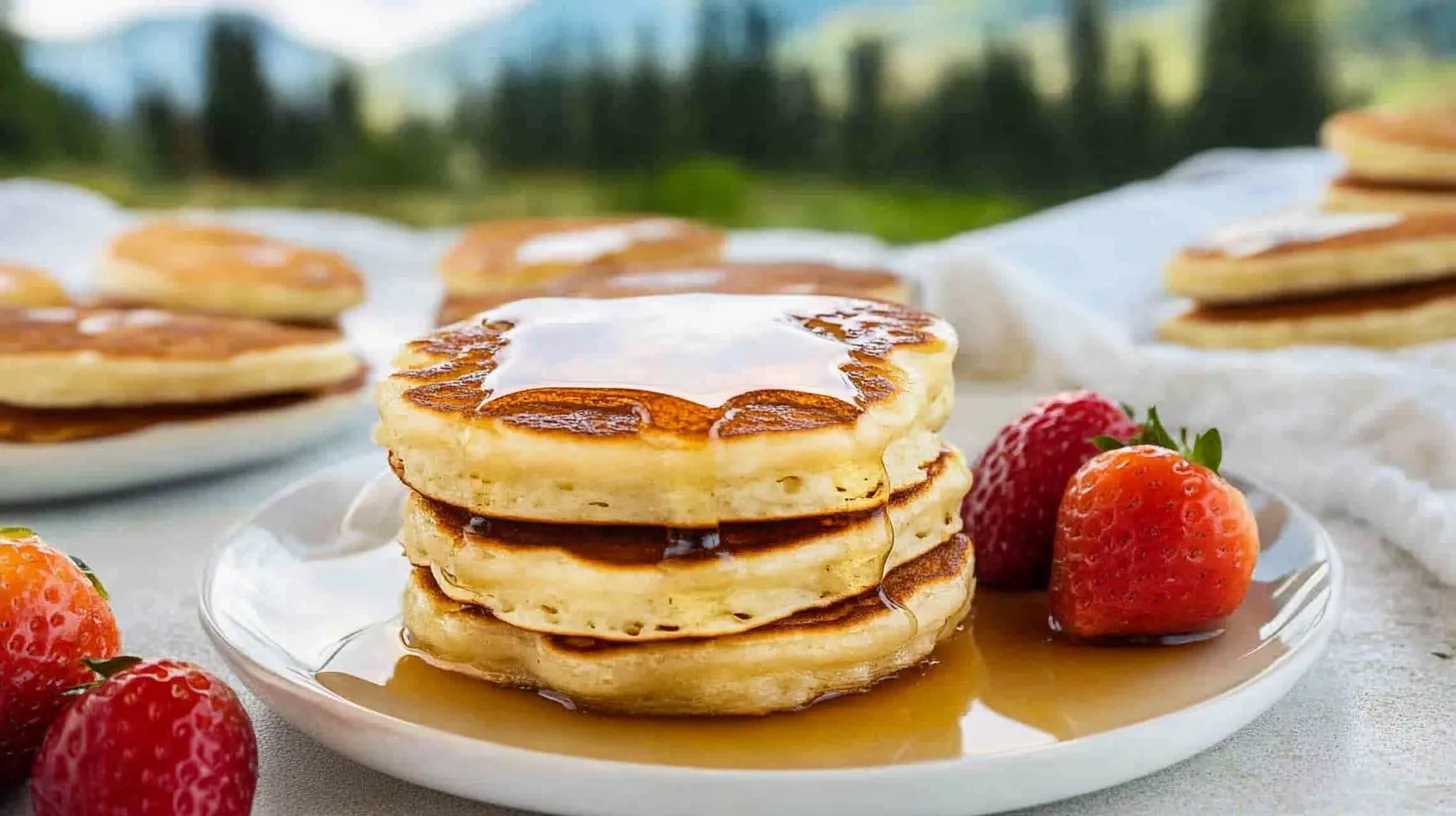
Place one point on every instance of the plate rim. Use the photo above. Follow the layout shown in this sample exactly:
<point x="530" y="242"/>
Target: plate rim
<point x="1314" y="638"/>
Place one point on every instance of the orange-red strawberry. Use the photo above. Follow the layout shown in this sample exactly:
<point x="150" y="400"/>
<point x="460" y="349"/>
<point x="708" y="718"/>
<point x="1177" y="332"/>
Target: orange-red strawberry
<point x="53" y="614"/>
<point x="162" y="737"/>
<point x="1011" y="511"/>
<point x="1151" y="542"/>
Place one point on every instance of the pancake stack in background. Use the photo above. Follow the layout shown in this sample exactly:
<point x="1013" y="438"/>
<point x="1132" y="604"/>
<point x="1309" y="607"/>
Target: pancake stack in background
<point x="207" y="269"/>
<point x="1395" y="161"/>
<point x="81" y="373"/>
<point x="1381" y="280"/>
<point x="627" y="256"/>
<point x="28" y="286"/>
<point x="680" y="504"/>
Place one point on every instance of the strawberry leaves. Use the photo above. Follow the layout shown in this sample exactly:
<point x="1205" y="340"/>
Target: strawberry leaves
<point x="1206" y="450"/>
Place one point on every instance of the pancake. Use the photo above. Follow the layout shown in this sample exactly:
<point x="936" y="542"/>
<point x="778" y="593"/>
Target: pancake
<point x="69" y="357"/>
<point x="504" y="255"/>
<point x="27" y="286"/>
<point x="1391" y="318"/>
<point x="52" y="426"/>
<point x="677" y="410"/>
<point x="1350" y="194"/>
<point x="843" y="648"/>
<point x="654" y="583"/>
<point x="219" y="270"/>
<point x="1302" y="253"/>
<point x="1402" y="146"/>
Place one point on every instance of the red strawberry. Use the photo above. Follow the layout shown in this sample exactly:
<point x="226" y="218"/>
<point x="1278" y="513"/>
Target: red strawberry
<point x="162" y="737"/>
<point x="53" y="614"/>
<point x="1151" y="542"/>
<point x="1011" y="511"/>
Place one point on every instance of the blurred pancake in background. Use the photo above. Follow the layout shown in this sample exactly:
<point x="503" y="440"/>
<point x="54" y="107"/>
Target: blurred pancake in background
<point x="1350" y="194"/>
<point x="212" y="269"/>
<point x="789" y="278"/>
<point x="1395" y="161"/>
<point x="27" y="286"/>
<point x="511" y="254"/>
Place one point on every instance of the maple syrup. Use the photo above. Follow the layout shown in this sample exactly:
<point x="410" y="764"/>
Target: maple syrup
<point x="1003" y="683"/>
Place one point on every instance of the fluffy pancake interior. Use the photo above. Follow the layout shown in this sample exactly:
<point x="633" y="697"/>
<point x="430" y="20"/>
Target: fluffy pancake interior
<point x="842" y="648"/>
<point x="651" y="583"/>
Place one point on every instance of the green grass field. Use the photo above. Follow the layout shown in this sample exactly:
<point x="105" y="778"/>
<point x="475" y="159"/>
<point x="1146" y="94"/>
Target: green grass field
<point x="893" y="213"/>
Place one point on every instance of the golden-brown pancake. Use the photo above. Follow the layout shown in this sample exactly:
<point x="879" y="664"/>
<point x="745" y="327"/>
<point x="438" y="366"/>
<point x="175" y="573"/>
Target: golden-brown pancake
<point x="1303" y="253"/>
<point x="1387" y="318"/>
<point x="629" y="583"/>
<point x="680" y="410"/>
<point x="28" y="286"/>
<point x="220" y="270"/>
<point x="843" y="648"/>
<point x="784" y="278"/>
<point x="72" y="357"/>
<point x="1350" y="194"/>
<point x="509" y="254"/>
<point x="1401" y="146"/>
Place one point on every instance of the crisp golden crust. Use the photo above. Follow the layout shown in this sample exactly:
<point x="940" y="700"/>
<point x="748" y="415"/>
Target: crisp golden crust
<point x="220" y="270"/>
<point x="577" y="367"/>
<point x="1390" y="318"/>
<point x="52" y="426"/>
<point x="1350" y="194"/>
<point x="1415" y="146"/>
<point x="785" y="278"/>
<point x="509" y="254"/>
<point x="1296" y="254"/>
<point x="29" y="287"/>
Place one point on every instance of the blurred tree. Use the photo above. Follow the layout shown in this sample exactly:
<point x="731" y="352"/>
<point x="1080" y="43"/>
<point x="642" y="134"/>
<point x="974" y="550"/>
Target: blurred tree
<point x="647" y="111"/>
<point x="341" y="113"/>
<point x="163" y="136"/>
<point x="753" y="91"/>
<point x="1141" y="120"/>
<point x="1014" y="139"/>
<point x="238" y="128"/>
<point x="1264" y="76"/>
<point x="706" y="95"/>
<point x="949" y="124"/>
<point x="506" y="133"/>
<point x="17" y="128"/>
<point x="864" y="128"/>
<point x="1089" y="108"/>
<point x="802" y="129"/>
<point x="603" y="138"/>
<point x="552" y="137"/>
<point x="304" y="142"/>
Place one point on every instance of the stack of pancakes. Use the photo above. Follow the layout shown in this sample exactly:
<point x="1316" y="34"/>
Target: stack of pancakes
<point x="680" y="504"/>
<point x="208" y="269"/>
<point x="79" y="373"/>
<point x="28" y="286"/>
<point x="1395" y="161"/>
<point x="1381" y="280"/>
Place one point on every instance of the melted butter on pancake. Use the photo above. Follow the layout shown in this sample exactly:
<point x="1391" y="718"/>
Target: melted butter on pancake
<point x="691" y="364"/>
<point x="145" y="333"/>
<point x="581" y="246"/>
<point x="1257" y="236"/>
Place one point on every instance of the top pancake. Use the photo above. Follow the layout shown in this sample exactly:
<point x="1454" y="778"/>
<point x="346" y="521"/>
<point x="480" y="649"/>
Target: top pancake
<point x="219" y="270"/>
<point x="26" y="286"/>
<point x="1302" y="253"/>
<point x="1405" y="146"/>
<point x="504" y="255"/>
<point x="69" y="357"/>
<point x="789" y="278"/>
<point x="676" y="409"/>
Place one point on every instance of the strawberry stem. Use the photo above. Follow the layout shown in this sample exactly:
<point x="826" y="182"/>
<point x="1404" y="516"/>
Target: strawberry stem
<point x="92" y="577"/>
<point x="16" y="532"/>
<point x="111" y="666"/>
<point x="1206" y="450"/>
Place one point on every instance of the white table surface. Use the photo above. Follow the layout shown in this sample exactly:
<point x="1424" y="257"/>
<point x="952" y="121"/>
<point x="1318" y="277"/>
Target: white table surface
<point x="1371" y="730"/>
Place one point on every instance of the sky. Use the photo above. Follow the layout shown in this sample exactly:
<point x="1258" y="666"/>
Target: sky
<point x="364" y="30"/>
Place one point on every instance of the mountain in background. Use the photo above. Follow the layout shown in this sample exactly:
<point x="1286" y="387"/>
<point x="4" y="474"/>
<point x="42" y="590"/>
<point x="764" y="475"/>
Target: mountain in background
<point x="1375" y="43"/>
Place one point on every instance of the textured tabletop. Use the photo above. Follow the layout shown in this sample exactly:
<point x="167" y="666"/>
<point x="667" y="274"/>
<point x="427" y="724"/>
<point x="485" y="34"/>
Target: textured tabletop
<point x="1371" y="730"/>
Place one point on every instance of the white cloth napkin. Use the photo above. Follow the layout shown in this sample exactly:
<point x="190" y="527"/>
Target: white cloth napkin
<point x="1070" y="296"/>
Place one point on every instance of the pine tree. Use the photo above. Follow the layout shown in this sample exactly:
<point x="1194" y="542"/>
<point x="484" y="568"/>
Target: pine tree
<point x="602" y="131"/>
<point x="648" y="107"/>
<point x="705" y="99"/>
<point x="1141" y="141"/>
<point x="17" y="137"/>
<point x="1015" y="137"/>
<point x="238" y="127"/>
<point x="160" y="128"/>
<point x="344" y="120"/>
<point x="802" y="129"/>
<point x="1089" y="111"/>
<point x="507" y="134"/>
<point x="950" y="125"/>
<point x="754" y="91"/>
<point x="1264" y="76"/>
<point x="864" y="131"/>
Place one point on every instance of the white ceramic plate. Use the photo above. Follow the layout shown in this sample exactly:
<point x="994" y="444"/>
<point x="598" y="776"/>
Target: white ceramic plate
<point x="173" y="450"/>
<point x="302" y="601"/>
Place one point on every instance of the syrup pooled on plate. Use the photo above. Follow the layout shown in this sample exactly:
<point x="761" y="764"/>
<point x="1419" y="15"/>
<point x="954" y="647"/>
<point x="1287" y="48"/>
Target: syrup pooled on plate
<point x="1002" y="684"/>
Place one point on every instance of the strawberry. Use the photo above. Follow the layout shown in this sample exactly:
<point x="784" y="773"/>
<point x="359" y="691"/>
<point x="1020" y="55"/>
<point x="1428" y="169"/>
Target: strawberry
<point x="1011" y="511"/>
<point x="53" y="614"/>
<point x="161" y="737"/>
<point x="1151" y="541"/>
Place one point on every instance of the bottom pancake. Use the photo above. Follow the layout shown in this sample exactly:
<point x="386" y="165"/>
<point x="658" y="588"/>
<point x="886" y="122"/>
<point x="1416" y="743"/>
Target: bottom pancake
<point x="48" y="426"/>
<point x="843" y="648"/>
<point x="1350" y="194"/>
<point x="1387" y="318"/>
